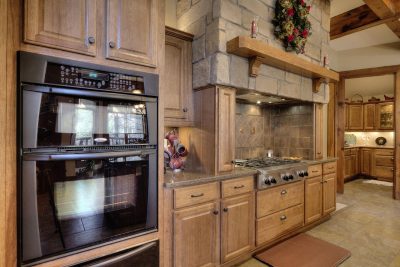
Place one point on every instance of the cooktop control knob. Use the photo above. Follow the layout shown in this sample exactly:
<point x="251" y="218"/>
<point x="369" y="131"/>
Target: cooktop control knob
<point x="290" y="177"/>
<point x="273" y="181"/>
<point x="305" y="173"/>
<point x="267" y="182"/>
<point x="285" y="177"/>
<point x="301" y="173"/>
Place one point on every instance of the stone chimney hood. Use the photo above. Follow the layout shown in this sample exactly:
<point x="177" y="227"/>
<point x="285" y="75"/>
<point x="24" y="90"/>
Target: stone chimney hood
<point x="215" y="22"/>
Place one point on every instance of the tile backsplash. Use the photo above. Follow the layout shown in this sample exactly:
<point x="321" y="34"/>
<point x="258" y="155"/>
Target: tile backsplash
<point x="286" y="129"/>
<point x="368" y="138"/>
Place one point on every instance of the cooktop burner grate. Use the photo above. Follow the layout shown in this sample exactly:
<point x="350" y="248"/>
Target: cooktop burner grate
<point x="264" y="162"/>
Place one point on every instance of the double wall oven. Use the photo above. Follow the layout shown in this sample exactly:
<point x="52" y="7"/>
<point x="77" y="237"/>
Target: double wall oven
<point x="87" y="156"/>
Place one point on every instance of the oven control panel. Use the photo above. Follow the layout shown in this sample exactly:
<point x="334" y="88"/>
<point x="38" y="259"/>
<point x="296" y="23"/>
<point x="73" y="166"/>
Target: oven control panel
<point x="61" y="74"/>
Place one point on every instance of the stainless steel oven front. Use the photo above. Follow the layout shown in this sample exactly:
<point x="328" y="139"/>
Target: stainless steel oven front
<point x="88" y="156"/>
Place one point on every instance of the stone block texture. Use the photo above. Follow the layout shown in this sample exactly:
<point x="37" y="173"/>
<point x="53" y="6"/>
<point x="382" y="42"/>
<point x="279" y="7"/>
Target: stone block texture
<point x="214" y="22"/>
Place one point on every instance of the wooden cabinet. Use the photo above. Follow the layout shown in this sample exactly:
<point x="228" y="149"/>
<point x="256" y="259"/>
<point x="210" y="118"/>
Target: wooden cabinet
<point x="313" y="197"/>
<point x="329" y="193"/>
<point x="237" y="226"/>
<point x="226" y="129"/>
<point x="62" y="24"/>
<point x="352" y="166"/>
<point x="177" y="86"/>
<point x="196" y="231"/>
<point x="369" y="117"/>
<point x="132" y="31"/>
<point x="383" y="164"/>
<point x="355" y="116"/>
<point x="365" y="160"/>
<point x="346" y="116"/>
<point x="320" y="193"/>
<point x="385" y="116"/>
<point x="318" y="114"/>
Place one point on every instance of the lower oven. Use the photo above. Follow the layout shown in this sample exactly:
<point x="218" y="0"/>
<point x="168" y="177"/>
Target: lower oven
<point x="71" y="201"/>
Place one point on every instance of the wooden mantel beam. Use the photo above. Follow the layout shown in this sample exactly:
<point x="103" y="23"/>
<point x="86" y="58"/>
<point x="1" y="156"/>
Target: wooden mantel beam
<point x="385" y="9"/>
<point x="357" y="19"/>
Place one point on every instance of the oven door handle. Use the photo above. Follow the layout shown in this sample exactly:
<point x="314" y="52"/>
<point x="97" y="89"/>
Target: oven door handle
<point x="121" y="257"/>
<point x="87" y="92"/>
<point x="81" y="156"/>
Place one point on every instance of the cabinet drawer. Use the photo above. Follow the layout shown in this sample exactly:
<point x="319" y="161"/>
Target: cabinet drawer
<point x="237" y="186"/>
<point x="384" y="172"/>
<point x="329" y="167"/>
<point x="387" y="161"/>
<point x="192" y="195"/>
<point x="384" y="152"/>
<point x="314" y="170"/>
<point x="279" y="198"/>
<point x="275" y="225"/>
<point x="347" y="152"/>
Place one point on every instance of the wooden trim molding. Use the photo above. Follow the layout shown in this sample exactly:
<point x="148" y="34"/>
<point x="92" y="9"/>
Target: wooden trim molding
<point x="385" y="9"/>
<point x="396" y="184"/>
<point x="368" y="72"/>
<point x="340" y="110"/>
<point x="169" y="31"/>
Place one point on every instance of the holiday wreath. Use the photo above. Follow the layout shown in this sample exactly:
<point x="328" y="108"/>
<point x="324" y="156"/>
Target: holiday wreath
<point x="292" y="26"/>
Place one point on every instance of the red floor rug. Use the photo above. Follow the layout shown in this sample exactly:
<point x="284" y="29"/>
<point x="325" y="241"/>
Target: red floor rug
<point x="304" y="251"/>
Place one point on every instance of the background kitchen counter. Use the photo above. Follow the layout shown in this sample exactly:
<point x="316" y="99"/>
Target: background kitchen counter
<point x="187" y="178"/>
<point x="369" y="146"/>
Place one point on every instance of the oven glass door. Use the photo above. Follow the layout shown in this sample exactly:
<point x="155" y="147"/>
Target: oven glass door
<point x="57" y="117"/>
<point x="72" y="203"/>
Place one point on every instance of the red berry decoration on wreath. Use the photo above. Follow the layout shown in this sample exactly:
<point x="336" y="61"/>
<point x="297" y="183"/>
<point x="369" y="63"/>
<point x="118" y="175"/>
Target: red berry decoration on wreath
<point x="291" y="22"/>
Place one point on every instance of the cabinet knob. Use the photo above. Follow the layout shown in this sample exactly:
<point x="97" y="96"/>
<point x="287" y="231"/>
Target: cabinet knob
<point x="111" y="44"/>
<point x="185" y="109"/>
<point x="283" y="217"/>
<point x="225" y="209"/>
<point x="91" y="40"/>
<point x="283" y="192"/>
<point x="215" y="212"/>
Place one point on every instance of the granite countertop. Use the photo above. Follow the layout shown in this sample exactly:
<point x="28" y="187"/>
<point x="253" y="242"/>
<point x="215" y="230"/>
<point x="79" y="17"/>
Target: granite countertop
<point x="187" y="178"/>
<point x="368" y="146"/>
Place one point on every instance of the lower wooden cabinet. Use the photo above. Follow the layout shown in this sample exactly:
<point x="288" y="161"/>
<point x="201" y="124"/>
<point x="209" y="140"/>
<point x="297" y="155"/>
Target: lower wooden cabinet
<point x="320" y="195"/>
<point x="365" y="161"/>
<point x="313" y="199"/>
<point x="237" y="226"/>
<point x="196" y="236"/>
<point x="383" y="164"/>
<point x="352" y="165"/>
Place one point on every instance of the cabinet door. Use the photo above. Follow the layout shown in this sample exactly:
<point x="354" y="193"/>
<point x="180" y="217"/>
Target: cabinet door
<point x="355" y="117"/>
<point x="348" y="170"/>
<point x="226" y="129"/>
<point x="385" y="116"/>
<point x="318" y="131"/>
<point x="353" y="165"/>
<point x="329" y="193"/>
<point x="369" y="117"/>
<point x="313" y="199"/>
<point x="132" y="31"/>
<point x="62" y="24"/>
<point x="366" y="161"/>
<point x="237" y="226"/>
<point x="178" y="83"/>
<point x="196" y="236"/>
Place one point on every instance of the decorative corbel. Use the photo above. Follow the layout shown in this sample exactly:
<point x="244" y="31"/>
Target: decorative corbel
<point x="254" y="66"/>
<point x="317" y="83"/>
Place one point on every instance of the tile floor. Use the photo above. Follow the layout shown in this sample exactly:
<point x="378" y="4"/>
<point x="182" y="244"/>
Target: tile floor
<point x="369" y="227"/>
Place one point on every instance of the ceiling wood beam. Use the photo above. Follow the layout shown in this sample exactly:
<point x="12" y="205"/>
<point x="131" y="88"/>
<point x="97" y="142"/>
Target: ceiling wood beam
<point x="354" y="20"/>
<point x="385" y="9"/>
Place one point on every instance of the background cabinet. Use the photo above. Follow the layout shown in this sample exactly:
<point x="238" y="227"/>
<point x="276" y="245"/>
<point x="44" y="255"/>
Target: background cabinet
<point x="369" y="117"/>
<point x="132" y="31"/>
<point x="383" y="164"/>
<point x="365" y="161"/>
<point x="177" y="87"/>
<point x="62" y="24"/>
<point x="355" y="116"/>
<point x="352" y="166"/>
<point x="385" y="116"/>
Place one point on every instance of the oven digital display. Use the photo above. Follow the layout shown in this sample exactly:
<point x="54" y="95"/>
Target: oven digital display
<point x="62" y="74"/>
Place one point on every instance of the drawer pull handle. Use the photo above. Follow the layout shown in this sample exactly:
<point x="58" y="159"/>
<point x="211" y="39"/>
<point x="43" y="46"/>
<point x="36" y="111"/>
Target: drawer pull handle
<point x="283" y="217"/>
<point x="111" y="44"/>
<point x="198" y="195"/>
<point x="314" y="171"/>
<point x="216" y="212"/>
<point x="225" y="209"/>
<point x="238" y="187"/>
<point x="283" y="192"/>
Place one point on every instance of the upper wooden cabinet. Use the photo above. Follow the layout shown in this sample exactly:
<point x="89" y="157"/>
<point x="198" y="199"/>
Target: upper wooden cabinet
<point x="355" y="117"/>
<point x="132" y="31"/>
<point x="385" y="116"/>
<point x="369" y="117"/>
<point x="318" y="132"/>
<point x="178" y="104"/>
<point x="63" y="24"/>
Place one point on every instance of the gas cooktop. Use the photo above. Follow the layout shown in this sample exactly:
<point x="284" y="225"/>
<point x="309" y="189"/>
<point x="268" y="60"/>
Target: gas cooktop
<point x="285" y="170"/>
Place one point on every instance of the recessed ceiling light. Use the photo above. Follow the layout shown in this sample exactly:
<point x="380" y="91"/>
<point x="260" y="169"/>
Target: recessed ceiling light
<point x="258" y="102"/>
